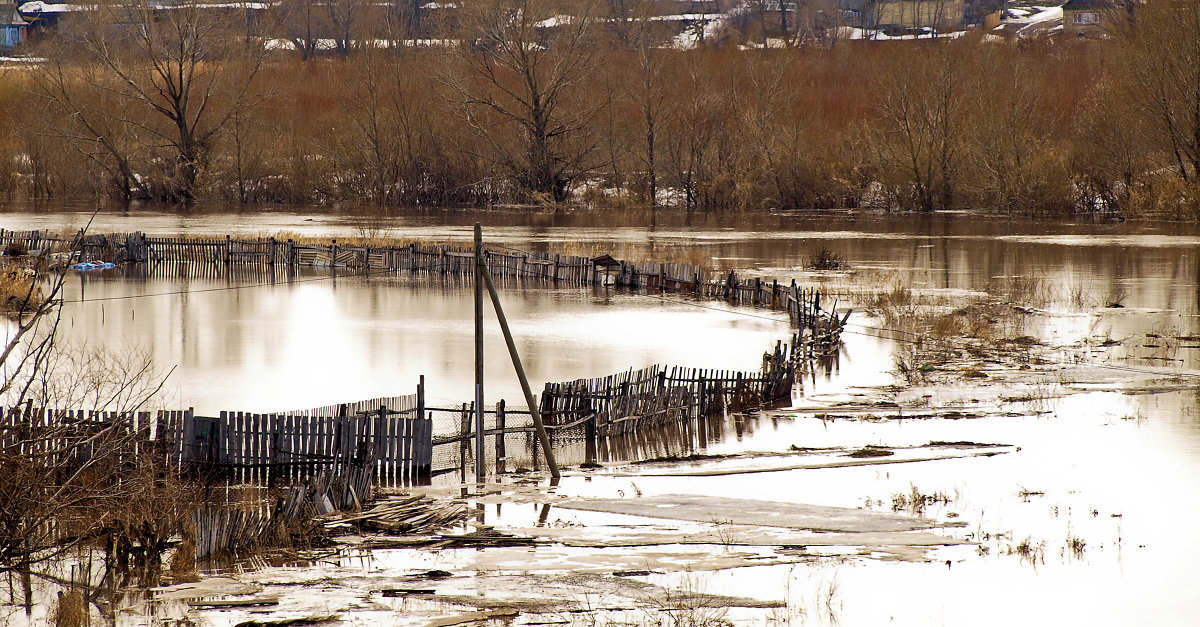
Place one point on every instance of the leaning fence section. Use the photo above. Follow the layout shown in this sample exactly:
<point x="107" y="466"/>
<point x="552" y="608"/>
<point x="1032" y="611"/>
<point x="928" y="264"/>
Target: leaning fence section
<point x="599" y="419"/>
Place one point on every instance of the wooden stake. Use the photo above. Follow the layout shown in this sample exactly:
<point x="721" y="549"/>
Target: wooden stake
<point x="543" y="437"/>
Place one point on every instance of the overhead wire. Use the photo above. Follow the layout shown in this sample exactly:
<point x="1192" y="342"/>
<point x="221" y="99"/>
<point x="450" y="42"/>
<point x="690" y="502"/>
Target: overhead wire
<point x="247" y="286"/>
<point x="1132" y="369"/>
<point x="866" y="331"/>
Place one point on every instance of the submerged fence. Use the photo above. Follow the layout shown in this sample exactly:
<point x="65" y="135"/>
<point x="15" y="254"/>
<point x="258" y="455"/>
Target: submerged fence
<point x="804" y="307"/>
<point x="602" y="413"/>
<point x="399" y="440"/>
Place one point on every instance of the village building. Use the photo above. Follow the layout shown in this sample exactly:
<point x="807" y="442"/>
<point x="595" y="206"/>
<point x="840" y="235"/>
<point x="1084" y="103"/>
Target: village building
<point x="905" y="15"/>
<point x="12" y="26"/>
<point x="1087" y="18"/>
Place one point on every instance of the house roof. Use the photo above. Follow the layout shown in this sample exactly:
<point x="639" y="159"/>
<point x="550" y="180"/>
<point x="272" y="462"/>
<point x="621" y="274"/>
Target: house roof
<point x="605" y="261"/>
<point x="1088" y="5"/>
<point x="9" y="16"/>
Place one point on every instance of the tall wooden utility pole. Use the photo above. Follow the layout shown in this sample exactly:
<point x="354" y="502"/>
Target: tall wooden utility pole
<point x="538" y="426"/>
<point x="479" y="270"/>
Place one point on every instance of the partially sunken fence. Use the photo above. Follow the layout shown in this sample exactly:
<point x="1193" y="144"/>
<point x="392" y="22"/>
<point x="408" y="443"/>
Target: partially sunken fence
<point x="804" y="307"/>
<point x="626" y="403"/>
<point x="394" y="439"/>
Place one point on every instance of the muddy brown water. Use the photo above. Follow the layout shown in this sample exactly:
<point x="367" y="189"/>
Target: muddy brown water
<point x="1119" y="472"/>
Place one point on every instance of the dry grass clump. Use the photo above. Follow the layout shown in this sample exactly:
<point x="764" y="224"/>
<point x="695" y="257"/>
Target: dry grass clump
<point x="70" y="610"/>
<point x="374" y="239"/>
<point x="1031" y="291"/>
<point x="182" y="566"/>
<point x="825" y="259"/>
<point x="893" y="305"/>
<point x="688" y="606"/>
<point x="1164" y="197"/>
<point x="19" y="291"/>
<point x="916" y="502"/>
<point x="691" y="255"/>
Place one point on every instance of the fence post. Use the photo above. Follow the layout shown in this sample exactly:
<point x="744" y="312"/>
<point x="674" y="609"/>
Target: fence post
<point x="500" y="437"/>
<point x="377" y="450"/>
<point x="464" y="432"/>
<point x="589" y="440"/>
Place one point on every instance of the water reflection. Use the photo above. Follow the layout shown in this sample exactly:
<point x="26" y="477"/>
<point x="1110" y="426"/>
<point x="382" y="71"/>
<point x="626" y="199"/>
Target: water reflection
<point x="1155" y="265"/>
<point x="242" y="342"/>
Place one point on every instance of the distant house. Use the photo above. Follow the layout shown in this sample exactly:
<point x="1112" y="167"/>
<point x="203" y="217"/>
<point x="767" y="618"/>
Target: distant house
<point x="1087" y="18"/>
<point x="902" y="15"/>
<point x="12" y="26"/>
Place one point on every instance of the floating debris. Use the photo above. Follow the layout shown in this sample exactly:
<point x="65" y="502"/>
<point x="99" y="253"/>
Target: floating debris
<point x="415" y="515"/>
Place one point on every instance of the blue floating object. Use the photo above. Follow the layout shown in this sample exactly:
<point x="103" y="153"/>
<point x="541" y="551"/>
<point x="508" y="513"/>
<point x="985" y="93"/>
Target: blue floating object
<point x="86" y="267"/>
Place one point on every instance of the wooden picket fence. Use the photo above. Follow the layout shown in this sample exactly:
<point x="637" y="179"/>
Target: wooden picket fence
<point x="68" y="439"/>
<point x="634" y="399"/>
<point x="390" y="436"/>
<point x="804" y="307"/>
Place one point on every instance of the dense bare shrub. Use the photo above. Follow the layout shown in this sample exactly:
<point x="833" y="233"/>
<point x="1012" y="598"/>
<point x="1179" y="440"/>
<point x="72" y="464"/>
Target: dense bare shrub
<point x="1019" y="164"/>
<point x="63" y="480"/>
<point x="919" y="135"/>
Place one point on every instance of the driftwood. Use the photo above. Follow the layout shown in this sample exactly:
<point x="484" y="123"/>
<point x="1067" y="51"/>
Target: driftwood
<point x="418" y="515"/>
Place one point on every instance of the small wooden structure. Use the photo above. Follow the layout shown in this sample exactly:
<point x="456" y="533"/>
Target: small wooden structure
<point x="609" y="266"/>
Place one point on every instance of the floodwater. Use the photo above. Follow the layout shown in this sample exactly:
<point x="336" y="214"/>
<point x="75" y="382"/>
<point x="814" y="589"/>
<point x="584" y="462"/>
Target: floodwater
<point x="1089" y="520"/>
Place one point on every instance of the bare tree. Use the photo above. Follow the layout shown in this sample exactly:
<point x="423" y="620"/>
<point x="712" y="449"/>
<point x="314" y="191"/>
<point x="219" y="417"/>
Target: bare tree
<point x="918" y="137"/>
<point x="637" y="46"/>
<point x="651" y="94"/>
<point x="88" y="115"/>
<point x="302" y="22"/>
<point x="342" y="17"/>
<point x="1161" y="56"/>
<point x="693" y="137"/>
<point x="1110" y="148"/>
<point x="173" y="77"/>
<point x="383" y="145"/>
<point x="403" y="20"/>
<point x="1019" y="168"/>
<point x="54" y="467"/>
<point x="522" y="90"/>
